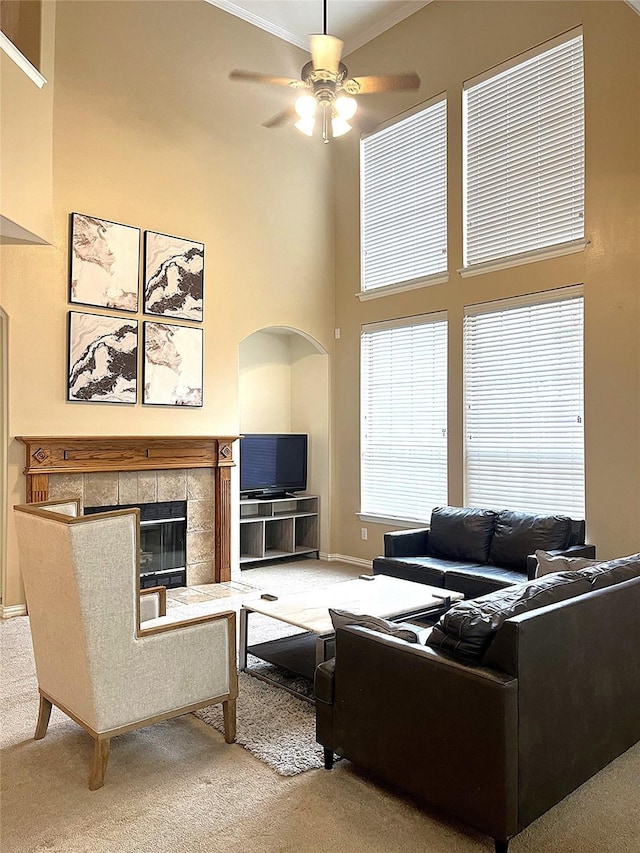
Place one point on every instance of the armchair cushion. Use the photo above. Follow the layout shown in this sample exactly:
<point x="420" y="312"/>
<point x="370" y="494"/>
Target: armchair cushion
<point x="461" y="533"/>
<point x="341" y="618"/>
<point x="518" y="534"/>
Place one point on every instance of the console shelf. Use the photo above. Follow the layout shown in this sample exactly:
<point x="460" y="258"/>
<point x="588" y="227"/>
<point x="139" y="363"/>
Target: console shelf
<point x="278" y="528"/>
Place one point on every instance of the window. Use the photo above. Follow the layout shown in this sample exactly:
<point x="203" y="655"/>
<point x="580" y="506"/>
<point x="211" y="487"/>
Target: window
<point x="404" y="418"/>
<point x="404" y="202"/>
<point x="523" y="370"/>
<point x="524" y="156"/>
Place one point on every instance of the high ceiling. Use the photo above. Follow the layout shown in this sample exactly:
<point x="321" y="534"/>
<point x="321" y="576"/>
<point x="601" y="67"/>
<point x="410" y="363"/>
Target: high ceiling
<point x="354" y="21"/>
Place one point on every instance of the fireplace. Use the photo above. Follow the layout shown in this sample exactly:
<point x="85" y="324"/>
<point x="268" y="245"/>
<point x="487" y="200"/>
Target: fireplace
<point x="163" y="542"/>
<point x="104" y="471"/>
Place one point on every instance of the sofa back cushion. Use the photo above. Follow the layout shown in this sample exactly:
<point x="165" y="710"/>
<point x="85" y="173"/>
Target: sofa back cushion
<point x="468" y="628"/>
<point x="518" y="534"/>
<point x="606" y="574"/>
<point x="461" y="533"/>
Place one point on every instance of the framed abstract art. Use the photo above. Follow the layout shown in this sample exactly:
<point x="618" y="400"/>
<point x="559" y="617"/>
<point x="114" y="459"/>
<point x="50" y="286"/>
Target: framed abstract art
<point x="173" y="277"/>
<point x="172" y="365"/>
<point x="105" y="263"/>
<point x="103" y="359"/>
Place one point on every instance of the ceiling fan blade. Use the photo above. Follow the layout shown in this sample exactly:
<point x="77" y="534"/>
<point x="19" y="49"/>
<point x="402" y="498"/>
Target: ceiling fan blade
<point x="280" y="118"/>
<point x="325" y="53"/>
<point x="385" y="83"/>
<point x="256" y="77"/>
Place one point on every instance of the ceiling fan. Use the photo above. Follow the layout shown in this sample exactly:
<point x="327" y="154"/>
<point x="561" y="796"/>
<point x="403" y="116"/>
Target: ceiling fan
<point x="326" y="88"/>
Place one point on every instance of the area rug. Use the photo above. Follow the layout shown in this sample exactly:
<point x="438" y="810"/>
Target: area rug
<point x="273" y="725"/>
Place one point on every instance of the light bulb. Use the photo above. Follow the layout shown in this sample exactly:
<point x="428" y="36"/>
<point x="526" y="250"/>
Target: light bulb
<point x="306" y="106"/>
<point x="305" y="125"/>
<point x="346" y="107"/>
<point x="339" y="126"/>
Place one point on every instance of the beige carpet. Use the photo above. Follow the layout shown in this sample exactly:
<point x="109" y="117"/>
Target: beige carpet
<point x="177" y="786"/>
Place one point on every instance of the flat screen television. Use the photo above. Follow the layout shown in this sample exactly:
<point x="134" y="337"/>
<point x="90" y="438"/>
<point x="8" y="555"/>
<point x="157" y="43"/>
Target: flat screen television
<point x="273" y="465"/>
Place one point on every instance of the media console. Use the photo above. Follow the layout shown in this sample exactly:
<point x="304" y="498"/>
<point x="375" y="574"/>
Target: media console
<point x="276" y="528"/>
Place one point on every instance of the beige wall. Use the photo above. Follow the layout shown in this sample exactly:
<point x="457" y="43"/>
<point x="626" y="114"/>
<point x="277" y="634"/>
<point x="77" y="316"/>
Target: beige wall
<point x="26" y="123"/>
<point x="149" y="131"/>
<point x="447" y="43"/>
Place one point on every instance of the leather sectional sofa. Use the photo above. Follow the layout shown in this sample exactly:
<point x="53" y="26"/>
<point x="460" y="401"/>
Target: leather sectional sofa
<point x="476" y="551"/>
<point x="517" y="698"/>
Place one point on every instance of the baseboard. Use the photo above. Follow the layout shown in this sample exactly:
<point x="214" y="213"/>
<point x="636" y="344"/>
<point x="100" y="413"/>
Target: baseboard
<point x="354" y="561"/>
<point x="8" y="612"/>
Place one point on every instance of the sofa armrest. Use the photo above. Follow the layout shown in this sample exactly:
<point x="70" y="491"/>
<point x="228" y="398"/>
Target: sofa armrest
<point x="406" y="543"/>
<point x="588" y="551"/>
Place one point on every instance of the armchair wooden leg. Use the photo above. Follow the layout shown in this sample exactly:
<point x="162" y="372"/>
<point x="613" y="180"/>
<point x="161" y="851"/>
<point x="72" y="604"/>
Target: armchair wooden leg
<point x="501" y="846"/>
<point x="44" y="713"/>
<point x="328" y="758"/>
<point x="99" y="763"/>
<point x="229" y="716"/>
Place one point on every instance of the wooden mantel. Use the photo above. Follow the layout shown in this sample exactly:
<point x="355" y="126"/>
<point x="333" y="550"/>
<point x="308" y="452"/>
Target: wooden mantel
<point x="89" y="454"/>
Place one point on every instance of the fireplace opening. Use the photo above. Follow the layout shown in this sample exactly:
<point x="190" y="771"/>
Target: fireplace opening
<point x="163" y="536"/>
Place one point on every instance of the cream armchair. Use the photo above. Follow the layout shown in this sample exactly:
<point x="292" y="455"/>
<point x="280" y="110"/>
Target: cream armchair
<point x="94" y="659"/>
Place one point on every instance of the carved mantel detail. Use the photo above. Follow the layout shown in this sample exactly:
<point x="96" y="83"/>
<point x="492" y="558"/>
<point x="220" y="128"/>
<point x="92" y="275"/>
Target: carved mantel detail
<point x="90" y="454"/>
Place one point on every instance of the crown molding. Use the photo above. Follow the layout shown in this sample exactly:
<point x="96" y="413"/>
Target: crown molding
<point x="400" y="12"/>
<point x="263" y="23"/>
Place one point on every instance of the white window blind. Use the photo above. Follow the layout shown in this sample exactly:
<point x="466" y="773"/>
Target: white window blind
<point x="404" y="199"/>
<point x="524" y="154"/>
<point x="404" y="417"/>
<point x="523" y="369"/>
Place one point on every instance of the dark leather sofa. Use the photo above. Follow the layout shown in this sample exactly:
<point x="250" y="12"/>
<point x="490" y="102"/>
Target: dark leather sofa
<point x="476" y="551"/>
<point x="518" y="698"/>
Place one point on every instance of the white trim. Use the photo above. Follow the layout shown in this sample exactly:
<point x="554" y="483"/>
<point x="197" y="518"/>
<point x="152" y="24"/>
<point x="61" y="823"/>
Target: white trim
<point x="547" y="252"/>
<point x="405" y="322"/>
<point x="401" y="11"/>
<point x="394" y="522"/>
<point x="572" y="291"/>
<point x="263" y="23"/>
<point x="415" y="284"/>
<point x="12" y="610"/>
<point x="21" y="61"/>
<point x="635" y="5"/>
<point x="354" y="561"/>
<point x="539" y="49"/>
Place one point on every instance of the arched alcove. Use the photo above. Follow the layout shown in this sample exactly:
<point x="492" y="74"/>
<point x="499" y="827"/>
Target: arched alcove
<point x="283" y="386"/>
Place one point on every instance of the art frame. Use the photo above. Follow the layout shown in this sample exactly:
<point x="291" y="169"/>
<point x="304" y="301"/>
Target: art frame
<point x="104" y="263"/>
<point x="102" y="358"/>
<point x="173" y="373"/>
<point x="173" y="277"/>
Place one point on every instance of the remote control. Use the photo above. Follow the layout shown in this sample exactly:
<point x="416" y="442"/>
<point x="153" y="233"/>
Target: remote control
<point x="368" y="577"/>
<point x="268" y="597"/>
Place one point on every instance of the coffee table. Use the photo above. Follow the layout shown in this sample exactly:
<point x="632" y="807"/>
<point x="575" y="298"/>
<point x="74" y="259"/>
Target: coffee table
<point x="384" y="596"/>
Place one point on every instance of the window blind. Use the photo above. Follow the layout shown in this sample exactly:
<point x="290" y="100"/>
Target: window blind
<point x="404" y="417"/>
<point x="523" y="371"/>
<point x="524" y="154"/>
<point x="404" y="199"/>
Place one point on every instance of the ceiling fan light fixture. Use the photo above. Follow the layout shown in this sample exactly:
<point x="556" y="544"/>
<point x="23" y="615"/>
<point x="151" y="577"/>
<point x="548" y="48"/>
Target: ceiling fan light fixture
<point x="339" y="126"/>
<point x="306" y="106"/>
<point x="305" y="125"/>
<point x="346" y="107"/>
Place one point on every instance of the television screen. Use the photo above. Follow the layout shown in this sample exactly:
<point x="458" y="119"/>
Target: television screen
<point x="273" y="463"/>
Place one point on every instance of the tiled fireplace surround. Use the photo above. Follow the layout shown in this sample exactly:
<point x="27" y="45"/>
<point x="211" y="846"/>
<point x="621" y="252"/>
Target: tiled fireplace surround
<point x="193" y="485"/>
<point x="108" y="471"/>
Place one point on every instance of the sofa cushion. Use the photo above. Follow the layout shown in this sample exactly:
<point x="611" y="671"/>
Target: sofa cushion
<point x="461" y="533"/>
<point x="606" y="574"/>
<point x="548" y="563"/>
<point x="342" y="618"/>
<point x="481" y="580"/>
<point x="467" y="629"/>
<point x="428" y="570"/>
<point x="518" y="534"/>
